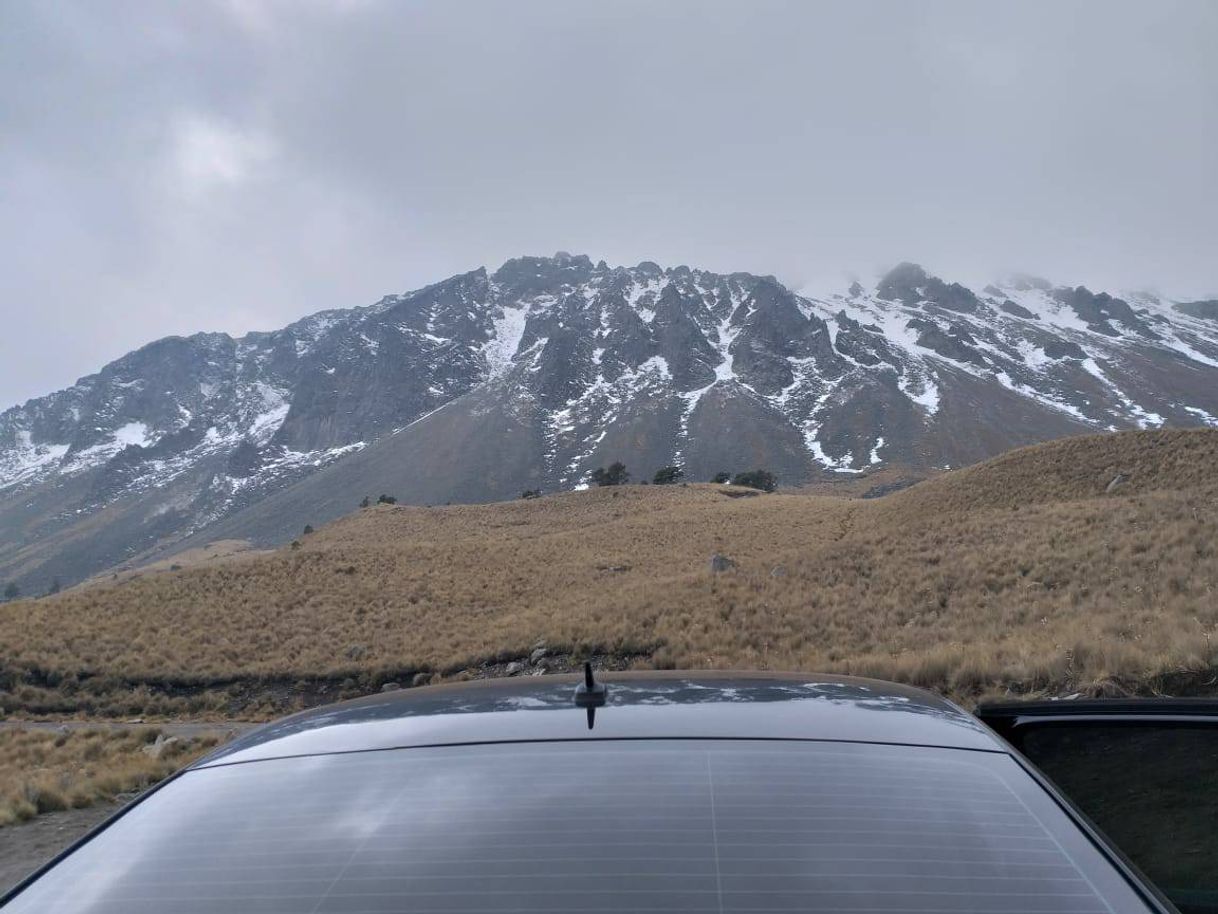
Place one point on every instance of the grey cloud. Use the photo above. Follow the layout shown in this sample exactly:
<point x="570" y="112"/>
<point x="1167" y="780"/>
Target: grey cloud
<point x="167" y="168"/>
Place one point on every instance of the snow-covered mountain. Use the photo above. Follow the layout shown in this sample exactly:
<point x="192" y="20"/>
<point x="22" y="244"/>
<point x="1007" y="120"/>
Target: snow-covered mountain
<point x="530" y="377"/>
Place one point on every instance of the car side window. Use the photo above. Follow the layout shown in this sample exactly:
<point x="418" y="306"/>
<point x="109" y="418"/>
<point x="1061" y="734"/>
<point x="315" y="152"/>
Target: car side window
<point x="1151" y="787"/>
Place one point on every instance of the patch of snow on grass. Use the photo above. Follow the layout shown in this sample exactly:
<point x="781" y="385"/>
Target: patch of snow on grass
<point x="875" y="451"/>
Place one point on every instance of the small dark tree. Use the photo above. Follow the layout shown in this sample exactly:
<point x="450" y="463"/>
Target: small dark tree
<point x="616" y="475"/>
<point x="722" y="478"/>
<point x="366" y="502"/>
<point x="386" y="500"/>
<point x="308" y="529"/>
<point x="54" y="588"/>
<point x="531" y="493"/>
<point x="756" y="479"/>
<point x="12" y="591"/>
<point x="667" y="476"/>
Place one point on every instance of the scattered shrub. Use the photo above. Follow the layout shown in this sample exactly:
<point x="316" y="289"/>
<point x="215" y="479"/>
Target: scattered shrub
<point x="386" y="500"/>
<point x="616" y="475"/>
<point x="667" y="476"/>
<point x="756" y="479"/>
<point x="721" y="478"/>
<point x="531" y="493"/>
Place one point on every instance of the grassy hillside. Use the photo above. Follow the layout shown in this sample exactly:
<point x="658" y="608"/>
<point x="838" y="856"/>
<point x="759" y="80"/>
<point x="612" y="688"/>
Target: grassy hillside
<point x="1029" y="573"/>
<point x="216" y="551"/>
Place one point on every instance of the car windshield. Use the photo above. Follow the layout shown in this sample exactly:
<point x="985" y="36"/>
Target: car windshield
<point x="641" y="825"/>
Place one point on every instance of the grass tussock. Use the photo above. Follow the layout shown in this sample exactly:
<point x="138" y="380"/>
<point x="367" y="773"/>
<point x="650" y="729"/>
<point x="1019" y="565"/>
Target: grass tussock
<point x="44" y="771"/>
<point x="1023" y="574"/>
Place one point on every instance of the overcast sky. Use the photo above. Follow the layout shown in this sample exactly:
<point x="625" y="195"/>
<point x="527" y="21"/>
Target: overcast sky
<point x="231" y="165"/>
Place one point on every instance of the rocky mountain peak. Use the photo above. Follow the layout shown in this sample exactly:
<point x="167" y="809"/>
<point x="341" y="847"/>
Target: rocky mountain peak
<point x="912" y="285"/>
<point x="488" y="383"/>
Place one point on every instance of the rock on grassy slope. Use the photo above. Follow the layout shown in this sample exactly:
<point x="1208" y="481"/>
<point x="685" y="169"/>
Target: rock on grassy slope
<point x="1081" y="565"/>
<point x="43" y="771"/>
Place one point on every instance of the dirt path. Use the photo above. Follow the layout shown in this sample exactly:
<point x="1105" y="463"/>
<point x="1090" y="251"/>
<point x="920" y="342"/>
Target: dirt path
<point x="25" y="847"/>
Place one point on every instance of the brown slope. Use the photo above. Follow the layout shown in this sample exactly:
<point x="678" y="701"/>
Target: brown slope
<point x="1079" y="468"/>
<point x="1021" y="574"/>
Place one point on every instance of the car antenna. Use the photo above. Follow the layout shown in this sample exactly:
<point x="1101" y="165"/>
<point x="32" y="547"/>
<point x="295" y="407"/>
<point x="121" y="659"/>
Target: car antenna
<point x="590" y="694"/>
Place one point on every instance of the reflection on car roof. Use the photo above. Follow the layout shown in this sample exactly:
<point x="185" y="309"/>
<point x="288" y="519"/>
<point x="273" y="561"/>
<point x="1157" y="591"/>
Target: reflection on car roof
<point x="648" y="705"/>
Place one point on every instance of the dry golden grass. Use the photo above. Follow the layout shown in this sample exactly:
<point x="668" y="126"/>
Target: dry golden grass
<point x="218" y="551"/>
<point x="1020" y="574"/>
<point x="868" y="484"/>
<point x="44" y="771"/>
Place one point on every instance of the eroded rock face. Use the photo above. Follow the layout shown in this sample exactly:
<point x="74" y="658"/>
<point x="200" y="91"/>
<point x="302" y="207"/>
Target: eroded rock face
<point x="910" y="284"/>
<point x="1101" y="311"/>
<point x="1064" y="349"/>
<point x="1206" y="310"/>
<point x="1010" y="307"/>
<point x="952" y="342"/>
<point x="530" y="376"/>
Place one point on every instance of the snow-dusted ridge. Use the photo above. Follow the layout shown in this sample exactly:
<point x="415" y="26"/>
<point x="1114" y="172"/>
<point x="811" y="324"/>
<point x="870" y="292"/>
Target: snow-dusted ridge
<point x="1004" y="340"/>
<point x="671" y="365"/>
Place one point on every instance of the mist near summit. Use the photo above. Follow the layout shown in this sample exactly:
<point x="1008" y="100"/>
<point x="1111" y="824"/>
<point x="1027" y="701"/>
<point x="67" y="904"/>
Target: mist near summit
<point x="233" y="165"/>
